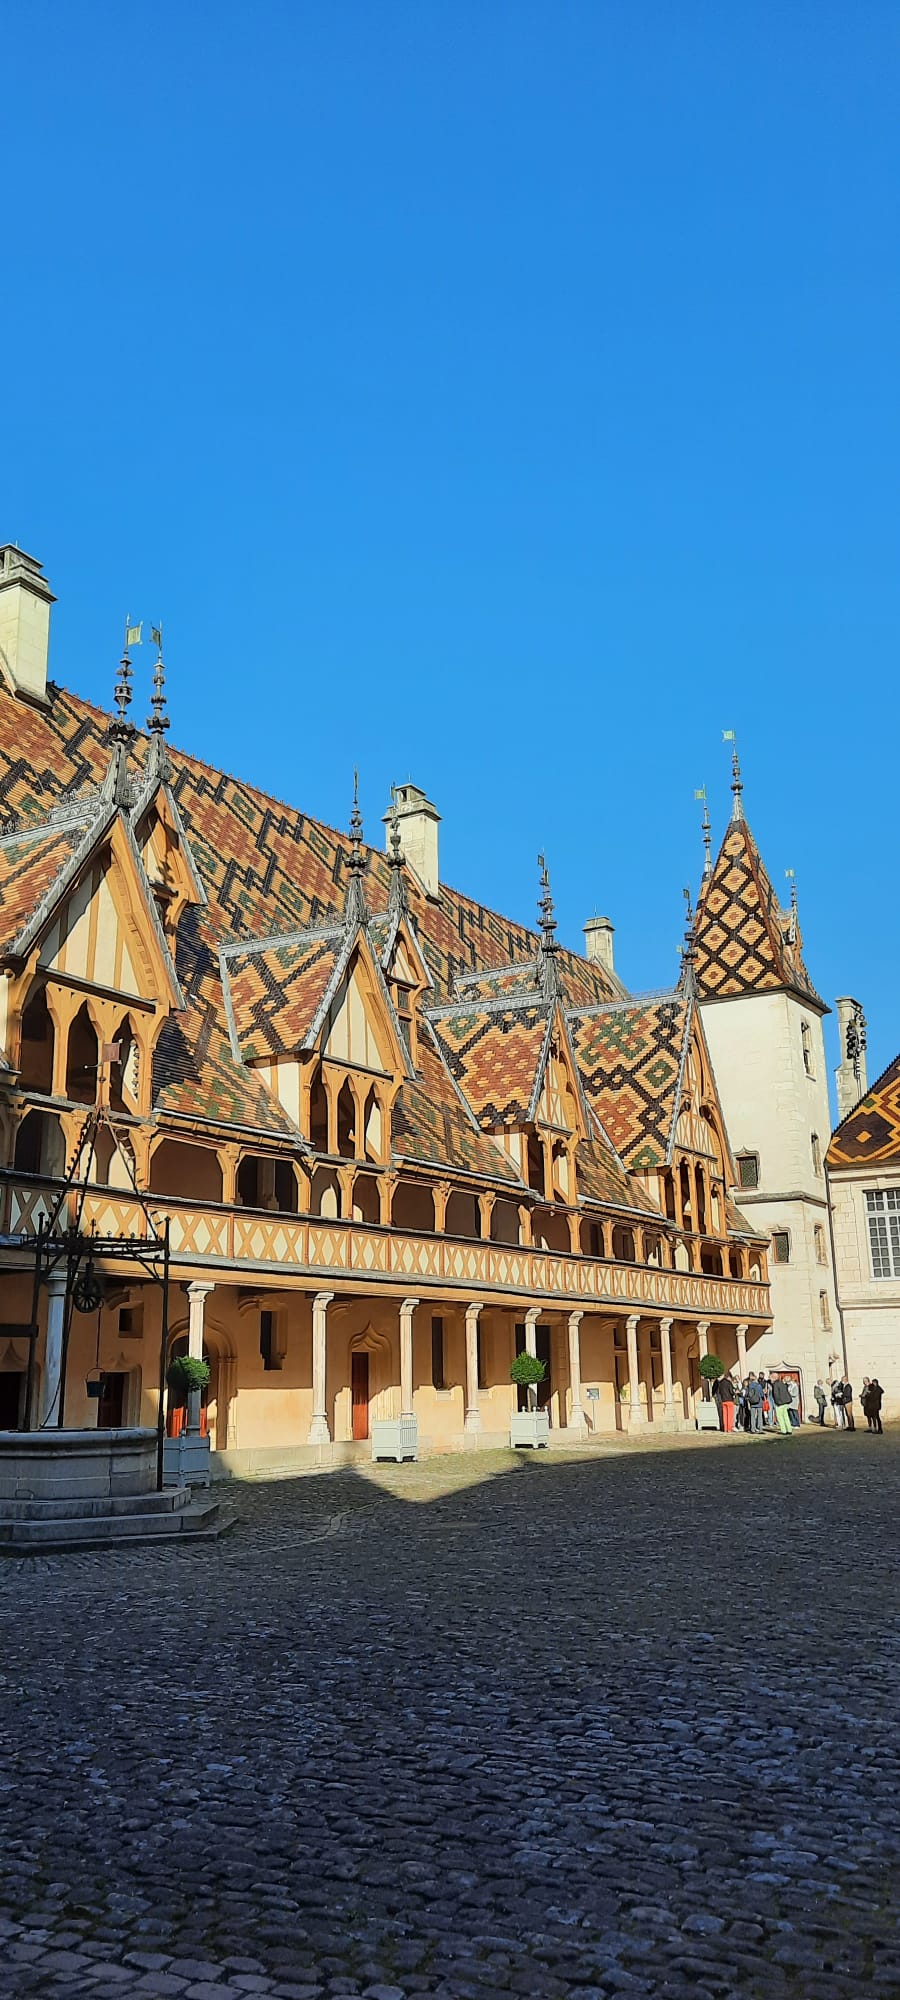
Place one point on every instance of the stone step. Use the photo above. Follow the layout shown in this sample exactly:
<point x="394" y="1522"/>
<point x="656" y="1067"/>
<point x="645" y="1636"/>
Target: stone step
<point x="200" y="1521"/>
<point x="83" y="1506"/>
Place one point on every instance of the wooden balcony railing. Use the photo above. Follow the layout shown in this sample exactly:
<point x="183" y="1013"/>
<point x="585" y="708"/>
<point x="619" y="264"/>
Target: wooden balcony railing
<point x="212" y="1238"/>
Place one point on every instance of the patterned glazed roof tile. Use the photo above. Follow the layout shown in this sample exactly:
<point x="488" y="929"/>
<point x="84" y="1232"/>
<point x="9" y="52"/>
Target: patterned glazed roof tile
<point x="630" y="1055"/>
<point x="494" y="1053"/>
<point x="743" y="942"/>
<point x="30" y="863"/>
<point x="275" y="993"/>
<point x="602" y="1178"/>
<point x="510" y="982"/>
<point x="871" y="1131"/>
<point x="430" y="1124"/>
<point x="194" y="1070"/>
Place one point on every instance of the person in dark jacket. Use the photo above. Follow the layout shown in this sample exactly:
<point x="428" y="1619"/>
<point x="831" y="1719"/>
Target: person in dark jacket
<point x="781" y="1399"/>
<point x="725" y="1393"/>
<point x="821" y="1401"/>
<point x="755" y="1403"/>
<point x="848" y="1406"/>
<point x="837" y="1403"/>
<point x="871" y="1402"/>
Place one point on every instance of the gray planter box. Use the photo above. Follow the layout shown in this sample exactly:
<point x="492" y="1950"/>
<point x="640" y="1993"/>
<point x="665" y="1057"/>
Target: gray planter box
<point x="186" y="1460"/>
<point x="708" y="1417"/>
<point x="395" y="1437"/>
<point x="530" y="1427"/>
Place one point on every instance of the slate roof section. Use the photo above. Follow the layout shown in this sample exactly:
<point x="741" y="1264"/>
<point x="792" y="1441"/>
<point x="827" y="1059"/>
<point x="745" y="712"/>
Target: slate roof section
<point x="603" y="1179"/>
<point x="742" y="940"/>
<point x="630" y="1056"/>
<point x="494" y="1053"/>
<point x="870" y="1133"/>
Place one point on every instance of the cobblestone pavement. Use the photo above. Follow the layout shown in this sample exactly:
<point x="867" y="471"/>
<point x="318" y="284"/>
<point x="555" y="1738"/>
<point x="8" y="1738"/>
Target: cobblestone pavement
<point x="613" y="1726"/>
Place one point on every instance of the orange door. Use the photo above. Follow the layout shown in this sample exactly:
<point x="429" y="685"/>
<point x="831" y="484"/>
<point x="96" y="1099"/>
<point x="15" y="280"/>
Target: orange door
<point x="359" y="1385"/>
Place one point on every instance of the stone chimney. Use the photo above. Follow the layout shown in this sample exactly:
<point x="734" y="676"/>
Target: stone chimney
<point x="417" y="821"/>
<point x="598" y="941"/>
<point x="851" y="1075"/>
<point x="25" y="600"/>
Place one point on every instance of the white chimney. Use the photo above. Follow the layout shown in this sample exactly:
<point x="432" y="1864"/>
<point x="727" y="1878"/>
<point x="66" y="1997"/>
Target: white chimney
<point x="851" y="1075"/>
<point x="417" y="822"/>
<point x="25" y="600"/>
<point x="598" y="940"/>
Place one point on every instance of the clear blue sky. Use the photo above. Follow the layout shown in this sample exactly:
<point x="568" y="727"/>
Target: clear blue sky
<point x="499" y="395"/>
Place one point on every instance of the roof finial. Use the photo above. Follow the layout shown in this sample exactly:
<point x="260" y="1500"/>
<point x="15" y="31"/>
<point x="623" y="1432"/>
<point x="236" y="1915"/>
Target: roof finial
<point x="707" y="833"/>
<point x="398" y="901"/>
<point x="687" y="949"/>
<point x="794" y="928"/>
<point x="121" y="731"/>
<point x="158" y="720"/>
<point x="737" y="783"/>
<point x="355" y="910"/>
<point x="549" y="971"/>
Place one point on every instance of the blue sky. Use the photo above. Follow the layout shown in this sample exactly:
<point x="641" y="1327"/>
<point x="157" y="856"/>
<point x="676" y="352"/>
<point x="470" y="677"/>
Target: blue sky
<point x="499" y="395"/>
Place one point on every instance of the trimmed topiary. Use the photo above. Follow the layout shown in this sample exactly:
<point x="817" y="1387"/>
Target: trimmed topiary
<point x="526" y="1370"/>
<point x="186" y="1373"/>
<point x="710" y="1369"/>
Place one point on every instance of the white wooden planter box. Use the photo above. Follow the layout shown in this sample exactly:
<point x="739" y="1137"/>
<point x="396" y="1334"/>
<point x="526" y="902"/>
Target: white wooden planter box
<point x="708" y="1416"/>
<point x="395" y="1437"/>
<point x="186" y="1460"/>
<point x="531" y="1427"/>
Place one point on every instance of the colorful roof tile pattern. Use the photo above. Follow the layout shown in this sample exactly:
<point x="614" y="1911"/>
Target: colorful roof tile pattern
<point x="431" y="1124"/>
<point x="275" y="993"/>
<point x="743" y="942"/>
<point x="629" y="1055"/>
<point x="602" y="1179"/>
<point x="195" y="1074"/>
<point x="494" y="1053"/>
<point x="30" y="864"/>
<point x="870" y="1133"/>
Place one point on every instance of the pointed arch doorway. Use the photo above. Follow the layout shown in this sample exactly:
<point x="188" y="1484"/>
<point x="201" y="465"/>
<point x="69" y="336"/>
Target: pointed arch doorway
<point x="359" y="1394"/>
<point x="370" y="1381"/>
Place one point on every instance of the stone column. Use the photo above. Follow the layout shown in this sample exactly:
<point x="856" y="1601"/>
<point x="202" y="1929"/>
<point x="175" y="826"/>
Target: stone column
<point x="703" y="1337"/>
<point x="742" y="1349"/>
<point x="406" y="1356"/>
<point x="665" y="1348"/>
<point x="319" y="1432"/>
<point x="577" y="1418"/>
<point x="197" y="1296"/>
<point x="51" y="1413"/>
<point x="637" y="1412"/>
<point x="473" y="1412"/>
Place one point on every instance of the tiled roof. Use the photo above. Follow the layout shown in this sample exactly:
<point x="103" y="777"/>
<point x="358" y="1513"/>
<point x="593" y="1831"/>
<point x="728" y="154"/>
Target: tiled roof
<point x="195" y="1072"/>
<point x="602" y="1178"/>
<point x="743" y="941"/>
<point x="870" y="1133"/>
<point x="430" y="1124"/>
<point x="494" y="1054"/>
<point x="274" y="993"/>
<point x="629" y="1055"/>
<point x="30" y="863"/>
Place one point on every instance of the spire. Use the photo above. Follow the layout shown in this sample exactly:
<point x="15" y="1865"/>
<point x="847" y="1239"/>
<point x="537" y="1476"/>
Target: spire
<point x="687" y="949"/>
<point x="355" y="908"/>
<point x="737" y="783"/>
<point x="548" y="969"/>
<point x="794" y="925"/>
<point x="398" y="900"/>
<point x="707" y="833"/>
<point x="158" y="720"/>
<point x="121" y="731"/>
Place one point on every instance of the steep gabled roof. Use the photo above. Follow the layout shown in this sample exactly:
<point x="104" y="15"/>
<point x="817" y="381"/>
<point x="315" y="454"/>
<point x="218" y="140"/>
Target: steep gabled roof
<point x="431" y="1124"/>
<point x="274" y="990"/>
<point x="630" y="1055"/>
<point x="870" y="1133"/>
<point x="494" y="1051"/>
<point x="742" y="941"/>
<point x="30" y="864"/>
<point x="195" y="1072"/>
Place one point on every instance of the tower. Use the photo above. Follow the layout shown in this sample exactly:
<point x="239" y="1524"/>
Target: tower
<point x="763" y="1022"/>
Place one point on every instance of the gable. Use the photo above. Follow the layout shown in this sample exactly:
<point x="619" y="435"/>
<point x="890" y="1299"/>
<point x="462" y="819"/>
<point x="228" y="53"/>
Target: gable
<point x="629" y="1056"/>
<point x="92" y="938"/>
<point x="559" y="1103"/>
<point x="354" y="1030"/>
<point x="871" y="1131"/>
<point x="494" y="1053"/>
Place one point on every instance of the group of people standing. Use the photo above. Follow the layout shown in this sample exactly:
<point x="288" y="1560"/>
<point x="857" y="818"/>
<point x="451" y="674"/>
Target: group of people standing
<point x="841" y="1399"/>
<point x="764" y="1402"/>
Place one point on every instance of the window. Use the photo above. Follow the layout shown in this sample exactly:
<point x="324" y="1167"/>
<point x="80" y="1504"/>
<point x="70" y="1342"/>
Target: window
<point x="437" y="1354"/>
<point x="748" y="1170"/>
<point x="883" y="1215"/>
<point x="816" y="1153"/>
<point x="824" y="1313"/>
<point x="131" y="1322"/>
<point x="268" y="1346"/>
<point x="781" y="1246"/>
<point x="806" y="1043"/>
<point x="819" y="1235"/>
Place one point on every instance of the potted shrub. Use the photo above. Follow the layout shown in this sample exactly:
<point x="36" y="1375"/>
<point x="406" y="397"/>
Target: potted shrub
<point x="187" y="1378"/>
<point x="530" y="1426"/>
<point x="186" y="1450"/>
<point x="711" y="1368"/>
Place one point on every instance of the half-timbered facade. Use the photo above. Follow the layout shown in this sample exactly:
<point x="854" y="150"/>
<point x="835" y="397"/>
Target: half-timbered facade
<point x="396" y="1136"/>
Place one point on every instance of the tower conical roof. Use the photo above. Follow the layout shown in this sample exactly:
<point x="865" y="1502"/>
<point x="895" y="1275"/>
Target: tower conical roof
<point x="743" y="941"/>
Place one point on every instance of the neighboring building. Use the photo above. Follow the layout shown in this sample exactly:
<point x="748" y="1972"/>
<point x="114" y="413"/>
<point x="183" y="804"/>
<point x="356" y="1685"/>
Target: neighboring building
<point x="395" y="1135"/>
<point x="863" y="1164"/>
<point x="763" y="1021"/>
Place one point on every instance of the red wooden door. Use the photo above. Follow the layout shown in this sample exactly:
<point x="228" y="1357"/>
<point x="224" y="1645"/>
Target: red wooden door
<point x="359" y="1386"/>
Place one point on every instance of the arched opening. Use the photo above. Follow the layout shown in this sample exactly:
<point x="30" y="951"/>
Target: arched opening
<point x="711" y="1262"/>
<point x="551" y="1231"/>
<point x="687" y="1202"/>
<point x="755" y="1271"/>
<point x="318" y="1115"/>
<point x="591" y="1239"/>
<point x="40" y="1147"/>
<point x="462" y="1217"/>
<point x="373" y="1126"/>
<point x="669" y="1197"/>
<point x="653" y="1250"/>
<point x="346" y="1121"/>
<point x="113" y="1160"/>
<point x="505" y="1222"/>
<point x="682" y="1260"/>
<point x="287" y="1198"/>
<point x="366" y="1206"/>
<point x="123" y="1070"/>
<point x="82" y="1060"/>
<point x="560" y="1169"/>
<point x="701" y="1200"/>
<point x="413" y="1207"/>
<point x="178" y="1169"/>
<point x="535" y="1164"/>
<point x="736" y="1255"/>
<point x="325" y="1193"/>
<point x="623" y="1244"/>
<point x="36" y="1070"/>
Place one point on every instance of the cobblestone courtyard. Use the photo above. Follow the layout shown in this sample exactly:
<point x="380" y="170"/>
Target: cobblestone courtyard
<point x="624" y="1725"/>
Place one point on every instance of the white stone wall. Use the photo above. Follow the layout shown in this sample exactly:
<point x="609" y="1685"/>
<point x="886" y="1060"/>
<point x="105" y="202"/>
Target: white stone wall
<point x="772" y="1107"/>
<point x="871" y="1306"/>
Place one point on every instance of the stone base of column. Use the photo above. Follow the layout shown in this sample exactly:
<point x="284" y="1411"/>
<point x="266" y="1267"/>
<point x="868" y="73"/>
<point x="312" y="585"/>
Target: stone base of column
<point x="637" y="1416"/>
<point x="473" y="1422"/>
<point x="319" y="1432"/>
<point x="577" y="1420"/>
